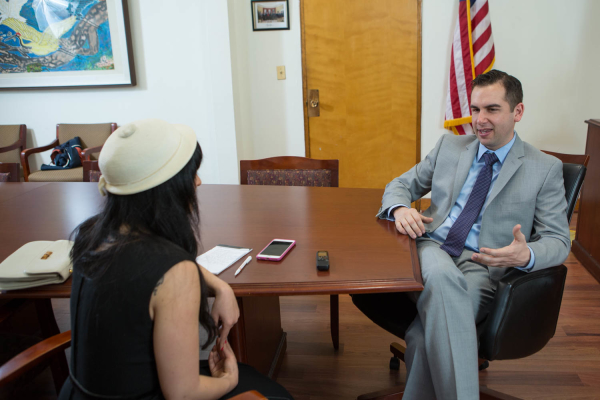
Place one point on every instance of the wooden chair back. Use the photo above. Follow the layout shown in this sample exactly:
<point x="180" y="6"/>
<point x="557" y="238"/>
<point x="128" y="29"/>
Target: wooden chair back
<point x="91" y="135"/>
<point x="12" y="141"/>
<point x="570" y="158"/>
<point x="289" y="163"/>
<point x="574" y="170"/>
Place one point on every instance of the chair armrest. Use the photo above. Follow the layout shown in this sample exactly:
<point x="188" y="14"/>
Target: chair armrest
<point x="27" y="152"/>
<point x="85" y="154"/>
<point x="20" y="143"/>
<point x="13" y="146"/>
<point x="33" y="356"/>
<point x="524" y="313"/>
<point x="88" y="167"/>
<point x="249" y="395"/>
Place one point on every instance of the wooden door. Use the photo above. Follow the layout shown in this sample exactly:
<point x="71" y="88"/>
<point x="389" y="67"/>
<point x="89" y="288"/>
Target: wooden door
<point x="364" y="58"/>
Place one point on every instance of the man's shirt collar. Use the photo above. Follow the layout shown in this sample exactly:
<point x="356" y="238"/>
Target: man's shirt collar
<point x="501" y="153"/>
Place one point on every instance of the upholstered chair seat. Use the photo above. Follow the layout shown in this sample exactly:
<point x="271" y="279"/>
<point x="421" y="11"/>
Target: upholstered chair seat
<point x="64" y="175"/>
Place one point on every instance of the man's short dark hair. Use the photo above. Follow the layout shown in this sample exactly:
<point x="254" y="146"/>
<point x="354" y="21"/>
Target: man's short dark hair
<point x="512" y="86"/>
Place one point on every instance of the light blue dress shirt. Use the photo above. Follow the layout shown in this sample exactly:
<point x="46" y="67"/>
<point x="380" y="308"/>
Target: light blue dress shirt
<point x="472" y="242"/>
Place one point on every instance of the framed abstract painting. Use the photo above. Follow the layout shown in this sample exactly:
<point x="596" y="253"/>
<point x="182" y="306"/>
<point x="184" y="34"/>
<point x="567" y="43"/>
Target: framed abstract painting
<point x="65" y="44"/>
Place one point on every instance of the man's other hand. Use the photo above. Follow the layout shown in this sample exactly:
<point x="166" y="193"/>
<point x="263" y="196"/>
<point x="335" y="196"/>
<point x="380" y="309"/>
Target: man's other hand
<point x="410" y="222"/>
<point x="515" y="255"/>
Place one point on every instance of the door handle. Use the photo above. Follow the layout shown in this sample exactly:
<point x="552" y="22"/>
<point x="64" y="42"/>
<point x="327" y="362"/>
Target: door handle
<point x="314" y="108"/>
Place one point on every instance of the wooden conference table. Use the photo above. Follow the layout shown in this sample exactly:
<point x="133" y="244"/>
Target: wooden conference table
<point x="366" y="255"/>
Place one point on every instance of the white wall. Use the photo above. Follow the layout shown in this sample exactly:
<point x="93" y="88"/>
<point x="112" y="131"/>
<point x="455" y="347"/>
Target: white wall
<point x="552" y="49"/>
<point x="557" y="60"/>
<point x="183" y="67"/>
<point x="200" y="63"/>
<point x="550" y="46"/>
<point x="268" y="112"/>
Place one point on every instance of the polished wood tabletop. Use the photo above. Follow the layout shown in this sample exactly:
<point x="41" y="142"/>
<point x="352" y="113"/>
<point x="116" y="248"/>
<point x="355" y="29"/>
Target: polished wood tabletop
<point x="367" y="255"/>
<point x="8" y="190"/>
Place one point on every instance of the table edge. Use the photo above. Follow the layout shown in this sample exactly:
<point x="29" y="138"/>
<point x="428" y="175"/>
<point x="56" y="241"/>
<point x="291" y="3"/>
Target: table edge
<point x="308" y="288"/>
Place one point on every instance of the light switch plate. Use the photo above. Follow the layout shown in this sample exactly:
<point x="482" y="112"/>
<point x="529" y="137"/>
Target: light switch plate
<point x="281" y="72"/>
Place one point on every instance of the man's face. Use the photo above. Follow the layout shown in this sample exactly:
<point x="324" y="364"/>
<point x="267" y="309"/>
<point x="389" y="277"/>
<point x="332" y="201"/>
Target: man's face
<point x="493" y="120"/>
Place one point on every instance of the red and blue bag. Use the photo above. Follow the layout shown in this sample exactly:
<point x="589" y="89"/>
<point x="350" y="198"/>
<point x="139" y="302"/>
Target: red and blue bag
<point x="65" y="156"/>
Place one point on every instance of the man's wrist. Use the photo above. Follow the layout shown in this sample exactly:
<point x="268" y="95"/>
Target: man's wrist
<point x="527" y="265"/>
<point x="530" y="260"/>
<point x="526" y="257"/>
<point x="393" y="209"/>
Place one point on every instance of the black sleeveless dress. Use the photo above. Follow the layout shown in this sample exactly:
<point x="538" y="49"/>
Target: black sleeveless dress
<point x="112" y="353"/>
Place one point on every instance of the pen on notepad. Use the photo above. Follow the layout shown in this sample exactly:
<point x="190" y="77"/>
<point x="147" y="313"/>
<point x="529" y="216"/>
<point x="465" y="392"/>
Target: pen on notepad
<point x="243" y="265"/>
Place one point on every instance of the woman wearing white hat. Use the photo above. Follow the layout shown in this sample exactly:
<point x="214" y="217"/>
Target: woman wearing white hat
<point x="137" y="292"/>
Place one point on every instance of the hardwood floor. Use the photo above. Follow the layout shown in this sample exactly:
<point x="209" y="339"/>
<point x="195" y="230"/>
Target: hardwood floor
<point x="567" y="368"/>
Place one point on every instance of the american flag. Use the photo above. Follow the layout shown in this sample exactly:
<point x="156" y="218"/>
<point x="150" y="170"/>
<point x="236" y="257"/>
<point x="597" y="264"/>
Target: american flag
<point x="472" y="54"/>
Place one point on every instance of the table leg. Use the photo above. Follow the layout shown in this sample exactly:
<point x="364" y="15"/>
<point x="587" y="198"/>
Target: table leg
<point x="334" y="313"/>
<point x="59" y="366"/>
<point x="258" y="339"/>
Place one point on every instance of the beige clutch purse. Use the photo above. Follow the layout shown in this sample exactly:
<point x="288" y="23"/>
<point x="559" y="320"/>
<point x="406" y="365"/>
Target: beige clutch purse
<point x="36" y="264"/>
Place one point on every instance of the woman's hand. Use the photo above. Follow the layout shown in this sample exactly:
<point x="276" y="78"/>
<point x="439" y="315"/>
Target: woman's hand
<point x="222" y="364"/>
<point x="225" y="311"/>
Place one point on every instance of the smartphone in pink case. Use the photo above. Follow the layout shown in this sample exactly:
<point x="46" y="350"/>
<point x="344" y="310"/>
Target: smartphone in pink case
<point x="276" y="250"/>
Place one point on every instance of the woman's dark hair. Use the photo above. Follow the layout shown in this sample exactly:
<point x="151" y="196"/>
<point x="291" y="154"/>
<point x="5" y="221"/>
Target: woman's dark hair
<point x="169" y="211"/>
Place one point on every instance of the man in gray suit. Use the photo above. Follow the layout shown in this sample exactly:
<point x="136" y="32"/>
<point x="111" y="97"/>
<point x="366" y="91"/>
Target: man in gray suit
<point x="496" y="203"/>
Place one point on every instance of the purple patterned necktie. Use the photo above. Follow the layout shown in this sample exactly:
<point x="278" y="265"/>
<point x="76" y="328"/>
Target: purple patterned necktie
<point x="457" y="236"/>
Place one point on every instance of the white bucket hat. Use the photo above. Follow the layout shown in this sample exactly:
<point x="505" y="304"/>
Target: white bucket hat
<point x="143" y="154"/>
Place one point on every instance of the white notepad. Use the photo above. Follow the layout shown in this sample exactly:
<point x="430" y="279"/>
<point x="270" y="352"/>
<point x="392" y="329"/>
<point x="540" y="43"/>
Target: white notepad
<point x="221" y="257"/>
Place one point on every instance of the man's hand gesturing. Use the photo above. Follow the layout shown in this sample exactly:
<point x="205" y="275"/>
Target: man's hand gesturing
<point x="514" y="255"/>
<point x="410" y="222"/>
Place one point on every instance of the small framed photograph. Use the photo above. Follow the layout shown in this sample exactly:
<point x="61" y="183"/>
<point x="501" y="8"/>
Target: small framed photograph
<point x="270" y="15"/>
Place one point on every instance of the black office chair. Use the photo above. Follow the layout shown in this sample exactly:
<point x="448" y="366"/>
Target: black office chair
<point x="523" y="315"/>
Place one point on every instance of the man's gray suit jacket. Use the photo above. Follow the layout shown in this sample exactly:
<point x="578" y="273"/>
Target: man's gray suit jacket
<point x="529" y="191"/>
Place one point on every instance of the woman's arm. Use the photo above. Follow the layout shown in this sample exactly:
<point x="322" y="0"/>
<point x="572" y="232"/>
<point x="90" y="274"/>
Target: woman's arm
<point x="225" y="310"/>
<point x="174" y="307"/>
